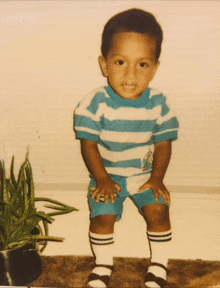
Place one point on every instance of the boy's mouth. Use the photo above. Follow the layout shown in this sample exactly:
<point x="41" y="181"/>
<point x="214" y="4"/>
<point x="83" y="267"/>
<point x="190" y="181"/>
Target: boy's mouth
<point x="129" y="86"/>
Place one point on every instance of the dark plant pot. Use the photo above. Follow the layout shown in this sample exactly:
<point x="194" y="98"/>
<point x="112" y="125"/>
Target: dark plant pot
<point x="20" y="266"/>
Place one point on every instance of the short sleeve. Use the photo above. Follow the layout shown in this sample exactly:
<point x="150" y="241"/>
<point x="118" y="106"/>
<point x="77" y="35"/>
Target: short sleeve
<point x="167" y="124"/>
<point x="87" y="120"/>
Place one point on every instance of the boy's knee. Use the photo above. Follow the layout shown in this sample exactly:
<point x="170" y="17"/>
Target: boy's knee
<point x="156" y="214"/>
<point x="103" y="224"/>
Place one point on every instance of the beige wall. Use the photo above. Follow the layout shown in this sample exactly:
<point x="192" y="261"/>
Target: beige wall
<point x="48" y="61"/>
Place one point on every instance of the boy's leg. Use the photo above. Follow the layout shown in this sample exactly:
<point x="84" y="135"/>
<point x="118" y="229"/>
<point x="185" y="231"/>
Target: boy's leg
<point x="159" y="236"/>
<point x="102" y="242"/>
<point x="103" y="218"/>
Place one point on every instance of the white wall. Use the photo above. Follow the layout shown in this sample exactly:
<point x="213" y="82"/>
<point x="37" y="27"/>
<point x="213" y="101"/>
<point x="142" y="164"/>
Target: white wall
<point x="48" y="61"/>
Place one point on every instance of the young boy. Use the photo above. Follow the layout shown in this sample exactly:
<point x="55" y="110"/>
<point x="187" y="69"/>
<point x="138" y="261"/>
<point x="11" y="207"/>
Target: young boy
<point x="126" y="130"/>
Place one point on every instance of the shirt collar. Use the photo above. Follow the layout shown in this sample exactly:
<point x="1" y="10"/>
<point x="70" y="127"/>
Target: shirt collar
<point x="128" y="102"/>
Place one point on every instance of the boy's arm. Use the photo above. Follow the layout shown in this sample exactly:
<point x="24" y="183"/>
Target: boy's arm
<point x="93" y="160"/>
<point x="162" y="154"/>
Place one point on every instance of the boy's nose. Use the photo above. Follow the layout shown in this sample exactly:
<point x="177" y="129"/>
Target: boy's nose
<point x="130" y="72"/>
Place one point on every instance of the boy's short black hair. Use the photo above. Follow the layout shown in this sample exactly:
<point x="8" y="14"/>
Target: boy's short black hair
<point x="132" y="20"/>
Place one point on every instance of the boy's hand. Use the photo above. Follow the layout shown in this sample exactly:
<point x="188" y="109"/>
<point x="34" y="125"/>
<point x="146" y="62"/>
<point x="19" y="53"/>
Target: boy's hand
<point x="106" y="187"/>
<point x="158" y="188"/>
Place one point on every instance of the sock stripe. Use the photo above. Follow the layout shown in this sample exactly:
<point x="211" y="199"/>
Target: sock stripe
<point x="94" y="243"/>
<point x="156" y="236"/>
<point x="99" y="239"/>
<point x="159" y="237"/>
<point x="165" y="240"/>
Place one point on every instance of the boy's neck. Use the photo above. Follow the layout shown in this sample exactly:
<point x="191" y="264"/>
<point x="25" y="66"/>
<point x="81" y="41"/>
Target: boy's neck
<point x="128" y="102"/>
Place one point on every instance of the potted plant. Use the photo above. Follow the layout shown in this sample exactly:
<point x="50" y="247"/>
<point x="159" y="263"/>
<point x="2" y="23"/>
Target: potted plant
<point x="23" y="229"/>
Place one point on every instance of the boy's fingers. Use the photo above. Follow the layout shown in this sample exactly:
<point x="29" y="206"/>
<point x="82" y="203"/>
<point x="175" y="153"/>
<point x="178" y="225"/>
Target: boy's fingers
<point x="110" y="197"/>
<point x="156" y="195"/>
<point x="118" y="187"/>
<point x="157" y="192"/>
<point x="143" y="188"/>
<point x="98" y="198"/>
<point x="97" y="194"/>
<point x="94" y="193"/>
<point x="168" y="197"/>
<point x="165" y="194"/>
<point x="113" y="199"/>
<point x="106" y="199"/>
<point x="100" y="194"/>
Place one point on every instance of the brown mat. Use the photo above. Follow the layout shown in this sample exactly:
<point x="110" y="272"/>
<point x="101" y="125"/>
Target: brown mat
<point x="71" y="271"/>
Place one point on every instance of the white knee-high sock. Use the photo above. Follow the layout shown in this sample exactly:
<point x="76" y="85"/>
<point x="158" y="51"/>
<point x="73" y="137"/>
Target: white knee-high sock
<point x="103" y="248"/>
<point x="160" y="243"/>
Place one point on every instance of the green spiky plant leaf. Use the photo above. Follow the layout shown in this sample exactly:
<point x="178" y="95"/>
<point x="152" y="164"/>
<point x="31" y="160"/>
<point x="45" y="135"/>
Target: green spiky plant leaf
<point x="18" y="214"/>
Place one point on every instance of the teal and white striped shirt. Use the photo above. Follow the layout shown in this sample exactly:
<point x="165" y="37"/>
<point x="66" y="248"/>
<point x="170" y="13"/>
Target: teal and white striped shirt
<point x="125" y="129"/>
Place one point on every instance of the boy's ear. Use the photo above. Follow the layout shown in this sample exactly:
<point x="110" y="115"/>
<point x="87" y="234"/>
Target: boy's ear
<point x="103" y="65"/>
<point x="157" y="65"/>
<point x="155" y="69"/>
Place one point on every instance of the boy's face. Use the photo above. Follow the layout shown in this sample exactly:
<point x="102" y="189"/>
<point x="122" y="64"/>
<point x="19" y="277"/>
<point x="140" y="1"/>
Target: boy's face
<point x="130" y="64"/>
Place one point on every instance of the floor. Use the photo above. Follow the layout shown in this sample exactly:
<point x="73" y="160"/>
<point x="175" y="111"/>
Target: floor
<point x="195" y="216"/>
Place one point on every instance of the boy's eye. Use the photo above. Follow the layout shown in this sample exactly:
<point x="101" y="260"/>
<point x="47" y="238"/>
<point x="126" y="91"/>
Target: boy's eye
<point x="120" y="62"/>
<point x="143" y="65"/>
